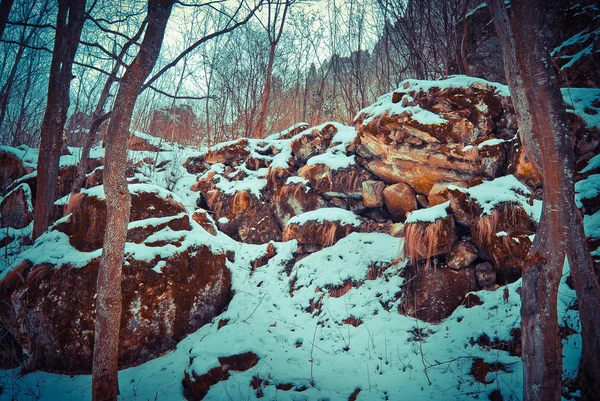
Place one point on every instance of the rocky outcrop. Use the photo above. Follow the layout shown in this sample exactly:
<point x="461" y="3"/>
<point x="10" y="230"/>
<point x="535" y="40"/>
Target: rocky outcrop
<point x="172" y="284"/>
<point x="433" y="294"/>
<point x="423" y="134"/>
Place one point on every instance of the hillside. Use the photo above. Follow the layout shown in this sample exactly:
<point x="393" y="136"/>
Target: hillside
<point x="374" y="261"/>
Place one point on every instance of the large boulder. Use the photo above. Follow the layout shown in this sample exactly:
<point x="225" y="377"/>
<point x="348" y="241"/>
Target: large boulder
<point x="425" y="133"/>
<point x="17" y="208"/>
<point x="428" y="233"/>
<point x="12" y="168"/>
<point x="295" y="197"/>
<point x="433" y="294"/>
<point x="239" y="207"/>
<point x="51" y="309"/>
<point x="320" y="228"/>
<point x="86" y="223"/>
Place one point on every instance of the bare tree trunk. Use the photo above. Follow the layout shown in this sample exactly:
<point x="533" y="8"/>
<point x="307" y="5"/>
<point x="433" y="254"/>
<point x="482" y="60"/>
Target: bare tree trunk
<point x="69" y="23"/>
<point x="5" y="6"/>
<point x="105" y="385"/>
<point x="504" y="32"/>
<point x="542" y="120"/>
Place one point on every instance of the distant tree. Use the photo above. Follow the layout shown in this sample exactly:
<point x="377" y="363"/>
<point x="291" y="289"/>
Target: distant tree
<point x="277" y="11"/>
<point x="542" y="120"/>
<point x="69" y="24"/>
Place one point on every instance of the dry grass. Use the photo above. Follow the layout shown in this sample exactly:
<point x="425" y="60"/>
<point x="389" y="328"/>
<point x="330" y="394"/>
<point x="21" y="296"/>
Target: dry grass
<point x="421" y="241"/>
<point x="506" y="216"/>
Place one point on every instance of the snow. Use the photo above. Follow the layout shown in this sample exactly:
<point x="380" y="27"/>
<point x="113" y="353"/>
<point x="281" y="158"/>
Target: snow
<point x="358" y="251"/>
<point x="253" y="184"/>
<point x="381" y="356"/>
<point x="384" y="105"/>
<point x="428" y="215"/>
<point x="296" y="180"/>
<point x="587" y="188"/>
<point x="269" y="314"/>
<point x="333" y="160"/>
<point x="98" y="191"/>
<point x="593" y="164"/>
<point x="591" y="225"/>
<point x="508" y="189"/>
<point x="27" y="155"/>
<point x="490" y="142"/>
<point x="453" y="81"/>
<point x="344" y="217"/>
<point x="580" y="102"/>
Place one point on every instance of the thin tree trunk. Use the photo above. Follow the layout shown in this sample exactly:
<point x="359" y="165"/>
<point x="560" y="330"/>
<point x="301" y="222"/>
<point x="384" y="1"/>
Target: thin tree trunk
<point x="105" y="385"/>
<point x="99" y="116"/>
<point x="257" y="132"/>
<point x="66" y="42"/>
<point x="542" y="120"/>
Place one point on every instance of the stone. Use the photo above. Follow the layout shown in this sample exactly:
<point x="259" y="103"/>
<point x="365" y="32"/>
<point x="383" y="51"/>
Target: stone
<point x="12" y="169"/>
<point x="399" y="199"/>
<point x="293" y="199"/>
<point x="312" y="143"/>
<point x="342" y="182"/>
<point x="87" y="223"/>
<point x="16" y="208"/>
<point x="315" y="235"/>
<point x="439" y="192"/>
<point x="433" y="294"/>
<point x="200" y="216"/>
<point x="463" y="253"/>
<point x="485" y="274"/>
<point x="372" y="193"/>
<point x="424" y="240"/>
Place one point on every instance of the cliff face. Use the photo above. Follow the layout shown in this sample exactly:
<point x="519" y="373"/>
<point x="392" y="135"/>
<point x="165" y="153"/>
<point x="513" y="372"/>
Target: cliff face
<point x="425" y="200"/>
<point x="572" y="32"/>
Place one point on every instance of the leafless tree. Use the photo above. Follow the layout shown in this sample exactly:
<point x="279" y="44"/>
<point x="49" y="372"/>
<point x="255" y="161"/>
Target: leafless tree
<point x="69" y="24"/>
<point x="543" y="128"/>
<point x="277" y="11"/>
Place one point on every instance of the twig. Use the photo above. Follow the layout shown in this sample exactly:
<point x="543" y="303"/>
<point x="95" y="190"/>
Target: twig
<point x="312" y="361"/>
<point x="257" y="305"/>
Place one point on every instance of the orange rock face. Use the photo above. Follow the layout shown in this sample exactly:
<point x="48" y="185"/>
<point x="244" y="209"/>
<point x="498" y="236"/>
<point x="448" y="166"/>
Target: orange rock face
<point x="314" y="235"/>
<point x="460" y="138"/>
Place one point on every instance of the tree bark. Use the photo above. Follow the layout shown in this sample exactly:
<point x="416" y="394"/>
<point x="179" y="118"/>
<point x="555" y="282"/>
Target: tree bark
<point x="105" y="384"/>
<point x="542" y="120"/>
<point x="69" y="23"/>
